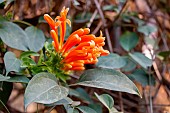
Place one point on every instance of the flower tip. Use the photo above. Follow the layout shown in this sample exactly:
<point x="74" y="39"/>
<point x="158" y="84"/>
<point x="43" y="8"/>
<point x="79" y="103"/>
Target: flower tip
<point x="46" y="16"/>
<point x="105" y="53"/>
<point x="101" y="34"/>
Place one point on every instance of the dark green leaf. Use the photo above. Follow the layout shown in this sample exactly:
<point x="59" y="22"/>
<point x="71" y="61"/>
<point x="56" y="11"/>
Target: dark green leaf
<point x="18" y="78"/>
<point x="130" y="65"/>
<point x="97" y="107"/>
<point x="107" y="79"/>
<point x="111" y="61"/>
<point x="64" y="101"/>
<point x="26" y="62"/>
<point x="43" y="88"/>
<point x="85" y="109"/>
<point x="81" y="93"/>
<point x="36" y="38"/>
<point x="109" y="7"/>
<point x="141" y="59"/>
<point x="13" y="36"/>
<point x="3" y="78"/>
<point x="28" y="53"/>
<point x="11" y="62"/>
<point x="164" y="54"/>
<point x="106" y="100"/>
<point x="147" y="29"/>
<point x="129" y="40"/>
<point x="142" y="77"/>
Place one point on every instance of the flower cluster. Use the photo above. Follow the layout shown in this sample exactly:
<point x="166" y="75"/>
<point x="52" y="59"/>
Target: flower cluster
<point x="80" y="48"/>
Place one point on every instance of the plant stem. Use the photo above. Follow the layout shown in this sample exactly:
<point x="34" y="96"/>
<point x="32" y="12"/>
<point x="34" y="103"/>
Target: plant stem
<point x="37" y="107"/>
<point x="5" y="106"/>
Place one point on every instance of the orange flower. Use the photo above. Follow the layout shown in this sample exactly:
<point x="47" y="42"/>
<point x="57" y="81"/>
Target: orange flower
<point x="80" y="48"/>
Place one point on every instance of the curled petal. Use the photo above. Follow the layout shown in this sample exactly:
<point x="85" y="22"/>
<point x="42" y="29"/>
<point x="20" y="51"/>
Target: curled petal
<point x="78" y="68"/>
<point x="72" y="41"/>
<point x="86" y="31"/>
<point x="76" y="53"/>
<point x="77" y="64"/>
<point x="68" y="22"/>
<point x="86" y="38"/>
<point x="55" y="38"/>
<point x="50" y="21"/>
<point x="101" y="44"/>
<point x="99" y="39"/>
<point x="105" y="52"/>
<point x="78" y="58"/>
<point x="79" y="32"/>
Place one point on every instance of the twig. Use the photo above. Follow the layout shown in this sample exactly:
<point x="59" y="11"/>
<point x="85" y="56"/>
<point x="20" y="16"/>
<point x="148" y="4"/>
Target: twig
<point x="97" y="28"/>
<point x="4" y="106"/>
<point x="157" y="71"/>
<point x="145" y="97"/>
<point x="121" y="102"/>
<point x="104" y="24"/>
<point x="92" y="18"/>
<point x="121" y="11"/>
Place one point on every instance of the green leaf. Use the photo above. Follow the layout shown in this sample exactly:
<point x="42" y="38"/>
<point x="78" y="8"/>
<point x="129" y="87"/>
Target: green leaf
<point x="13" y="36"/>
<point x="28" y="53"/>
<point x="97" y="107"/>
<point x="164" y="54"/>
<point x="18" y="78"/>
<point x="26" y="62"/>
<point x="107" y="79"/>
<point x="130" y="65"/>
<point x="36" y="38"/>
<point x="142" y="77"/>
<point x="11" y="62"/>
<point x="85" y="109"/>
<point x="5" y="92"/>
<point x="141" y="59"/>
<point x="111" y="61"/>
<point x="80" y="93"/>
<point x="106" y="100"/>
<point x="43" y="88"/>
<point x="64" y="101"/>
<point x="109" y="7"/>
<point x="3" y="78"/>
<point x="151" y="41"/>
<point x="147" y="29"/>
<point x="129" y="40"/>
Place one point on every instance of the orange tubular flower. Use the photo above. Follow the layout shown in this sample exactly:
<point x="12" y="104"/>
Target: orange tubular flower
<point x="80" y="48"/>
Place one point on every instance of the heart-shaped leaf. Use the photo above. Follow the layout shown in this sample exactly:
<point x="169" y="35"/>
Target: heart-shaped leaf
<point x="36" y="38"/>
<point x="13" y="36"/>
<point x="43" y="88"/>
<point x="129" y="40"/>
<point x="106" y="100"/>
<point x="11" y="62"/>
<point x="147" y="29"/>
<point x="141" y="59"/>
<point x="111" y="61"/>
<point x="108" y="79"/>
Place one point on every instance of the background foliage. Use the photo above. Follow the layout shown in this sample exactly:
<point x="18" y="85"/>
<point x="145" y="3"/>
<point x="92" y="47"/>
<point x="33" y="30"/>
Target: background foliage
<point x="137" y="35"/>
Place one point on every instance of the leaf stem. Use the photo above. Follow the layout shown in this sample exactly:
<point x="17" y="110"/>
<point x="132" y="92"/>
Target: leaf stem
<point x="23" y="22"/>
<point x="4" y="106"/>
<point x="37" y="108"/>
